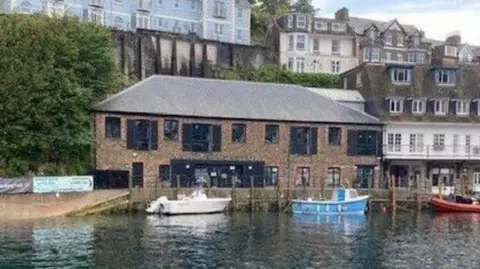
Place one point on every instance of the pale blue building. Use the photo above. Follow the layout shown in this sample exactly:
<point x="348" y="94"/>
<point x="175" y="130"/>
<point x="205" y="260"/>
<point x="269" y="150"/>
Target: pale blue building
<point x="222" y="20"/>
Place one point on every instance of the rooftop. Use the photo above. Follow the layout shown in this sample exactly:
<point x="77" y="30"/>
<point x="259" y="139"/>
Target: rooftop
<point x="341" y="95"/>
<point x="213" y="98"/>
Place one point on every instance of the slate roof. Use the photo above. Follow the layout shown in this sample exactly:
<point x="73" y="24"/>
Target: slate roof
<point x="359" y="25"/>
<point x="340" y="95"/>
<point x="212" y="98"/>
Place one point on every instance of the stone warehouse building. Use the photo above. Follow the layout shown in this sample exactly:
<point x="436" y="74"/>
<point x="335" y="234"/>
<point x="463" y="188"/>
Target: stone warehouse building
<point x="177" y="130"/>
<point x="432" y="121"/>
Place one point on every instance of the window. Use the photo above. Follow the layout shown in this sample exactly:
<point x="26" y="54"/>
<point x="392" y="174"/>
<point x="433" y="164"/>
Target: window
<point x="290" y="21"/>
<point x="170" y="130"/>
<point x="394" y="142"/>
<point x="160" y="2"/>
<point x="388" y="56"/>
<point x="176" y="4"/>
<point x="363" y="142"/>
<point x="301" y="42"/>
<point x="164" y="174"/>
<point x="335" y="66"/>
<point x="26" y="7"/>
<point x="456" y="138"/>
<point x="375" y="54"/>
<point x="301" y="21"/>
<point x="365" y="177"/>
<point x="218" y="29"/>
<point x="320" y="25"/>
<point x="416" y="41"/>
<point x="316" y="44"/>
<point x="96" y="15"/>
<point x="143" y="4"/>
<point x="303" y="140"/>
<point x="418" y="106"/>
<point x="450" y="51"/>
<point x="142" y="134"/>
<point x="396" y="105"/>
<point x="219" y="10"/>
<point x="371" y="54"/>
<point x="240" y="13"/>
<point x="143" y="20"/>
<point x="441" y="107"/>
<point x="334" y="135"/>
<point x="445" y="76"/>
<point x="303" y="176"/>
<point x="372" y="34"/>
<point x="399" y="40"/>
<point x="388" y="38"/>
<point x="438" y="142"/>
<point x="399" y="57"/>
<point x="271" y="176"/>
<point x="416" y="143"/>
<point x="118" y="23"/>
<point x="239" y="133"/>
<point x="271" y="133"/>
<point x="420" y="58"/>
<point x="291" y="42"/>
<point x="338" y="26"/>
<point x="300" y="65"/>
<point x="401" y="75"/>
<point x="335" y="46"/>
<point x="290" y="64"/>
<point x="112" y="127"/>
<point x="333" y="177"/>
<point x="239" y="35"/>
<point x="468" y="143"/>
<point x="462" y="107"/>
<point x="200" y="137"/>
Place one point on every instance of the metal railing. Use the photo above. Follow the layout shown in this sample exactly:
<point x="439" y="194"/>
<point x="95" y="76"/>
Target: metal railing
<point x="419" y="151"/>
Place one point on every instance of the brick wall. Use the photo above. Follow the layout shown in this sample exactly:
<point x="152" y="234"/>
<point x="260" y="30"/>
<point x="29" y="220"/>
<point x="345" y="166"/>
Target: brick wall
<point x="112" y="153"/>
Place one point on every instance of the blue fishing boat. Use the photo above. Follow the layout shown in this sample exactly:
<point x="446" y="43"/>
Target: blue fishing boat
<point x="344" y="201"/>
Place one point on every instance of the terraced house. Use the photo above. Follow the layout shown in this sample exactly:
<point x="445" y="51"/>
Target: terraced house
<point x="222" y="20"/>
<point x="335" y="45"/>
<point x="432" y="121"/>
<point x="181" y="131"/>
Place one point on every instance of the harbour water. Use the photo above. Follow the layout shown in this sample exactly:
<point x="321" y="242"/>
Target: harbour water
<point x="263" y="240"/>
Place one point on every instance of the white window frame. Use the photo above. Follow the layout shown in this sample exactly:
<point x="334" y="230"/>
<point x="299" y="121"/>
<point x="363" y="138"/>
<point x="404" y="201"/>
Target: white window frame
<point x="300" y="65"/>
<point x="416" y="143"/>
<point x="388" y="56"/>
<point x="440" y="107"/>
<point x="418" y="106"/>
<point x="462" y="107"/>
<point x="316" y="44"/>
<point x="291" y="42"/>
<point x="118" y="22"/>
<point x="420" y="58"/>
<point x="394" y="142"/>
<point x="335" y="46"/>
<point x="395" y="105"/>
<point x="401" y="75"/>
<point x="451" y="51"/>
<point x="320" y="25"/>
<point x="468" y="143"/>
<point x="297" y="42"/>
<point x="143" y="21"/>
<point x="219" y="9"/>
<point x="239" y="33"/>
<point x="438" y="142"/>
<point x="290" y="21"/>
<point x="445" y="77"/>
<point x="377" y="53"/>
<point x="218" y="30"/>
<point x="291" y="64"/>
<point x="456" y="142"/>
<point x="335" y="66"/>
<point x="96" y="15"/>
<point x="399" y="39"/>
<point x="301" y="21"/>
<point x="388" y="38"/>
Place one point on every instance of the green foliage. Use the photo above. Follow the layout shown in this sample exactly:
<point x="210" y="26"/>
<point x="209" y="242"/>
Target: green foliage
<point x="274" y="74"/>
<point x="51" y="71"/>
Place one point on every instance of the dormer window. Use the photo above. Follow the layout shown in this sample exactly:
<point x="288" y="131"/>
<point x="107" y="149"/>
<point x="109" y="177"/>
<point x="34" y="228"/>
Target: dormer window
<point x="440" y="107"/>
<point x="418" y="106"/>
<point x="401" y="75"/>
<point x="462" y="107"/>
<point x="372" y="34"/>
<point x="445" y="77"/>
<point x="320" y="25"/>
<point x="450" y="51"/>
<point x="416" y="41"/>
<point x="388" y="38"/>
<point x="338" y="27"/>
<point x="290" y="21"/>
<point x="301" y="21"/>
<point x="395" y="105"/>
<point x="399" y="40"/>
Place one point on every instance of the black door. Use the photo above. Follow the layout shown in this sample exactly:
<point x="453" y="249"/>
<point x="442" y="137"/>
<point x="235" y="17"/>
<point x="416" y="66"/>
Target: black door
<point x="137" y="175"/>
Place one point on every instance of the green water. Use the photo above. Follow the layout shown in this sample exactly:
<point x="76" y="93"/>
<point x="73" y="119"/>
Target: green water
<point x="244" y="241"/>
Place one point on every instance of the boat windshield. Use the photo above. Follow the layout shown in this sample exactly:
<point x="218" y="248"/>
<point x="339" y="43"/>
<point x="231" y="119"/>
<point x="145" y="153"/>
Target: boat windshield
<point x="353" y="194"/>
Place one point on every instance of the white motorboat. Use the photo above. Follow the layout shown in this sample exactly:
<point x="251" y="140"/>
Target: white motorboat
<point x="196" y="203"/>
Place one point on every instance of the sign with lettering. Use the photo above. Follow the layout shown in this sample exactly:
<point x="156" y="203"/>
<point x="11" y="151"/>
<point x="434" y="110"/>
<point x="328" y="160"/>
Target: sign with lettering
<point x="62" y="184"/>
<point x="16" y="185"/>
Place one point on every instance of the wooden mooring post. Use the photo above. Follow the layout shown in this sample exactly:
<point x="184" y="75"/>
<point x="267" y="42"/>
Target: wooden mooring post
<point x="252" y="201"/>
<point x="233" y="193"/>
<point x="393" y="195"/>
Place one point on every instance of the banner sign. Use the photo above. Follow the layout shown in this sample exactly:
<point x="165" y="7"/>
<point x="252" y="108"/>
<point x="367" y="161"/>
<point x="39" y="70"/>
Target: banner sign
<point x="62" y="184"/>
<point x="16" y="185"/>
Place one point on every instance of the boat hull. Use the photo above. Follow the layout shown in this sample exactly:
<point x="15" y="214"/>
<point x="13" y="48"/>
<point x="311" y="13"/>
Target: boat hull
<point x="447" y="206"/>
<point x="354" y="206"/>
<point x="184" y="207"/>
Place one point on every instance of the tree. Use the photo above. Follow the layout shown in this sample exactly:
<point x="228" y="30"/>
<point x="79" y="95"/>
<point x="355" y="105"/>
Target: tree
<point x="304" y="6"/>
<point x="51" y="71"/>
<point x="263" y="11"/>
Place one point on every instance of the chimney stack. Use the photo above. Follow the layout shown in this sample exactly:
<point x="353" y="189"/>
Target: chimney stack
<point x="342" y="14"/>
<point x="454" y="38"/>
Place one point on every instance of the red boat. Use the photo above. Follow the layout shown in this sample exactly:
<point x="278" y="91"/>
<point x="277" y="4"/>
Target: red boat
<point x="452" y="206"/>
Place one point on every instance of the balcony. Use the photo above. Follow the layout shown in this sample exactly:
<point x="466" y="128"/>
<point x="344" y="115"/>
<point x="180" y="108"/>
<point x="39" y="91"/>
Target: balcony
<point x="431" y="152"/>
<point x="144" y="5"/>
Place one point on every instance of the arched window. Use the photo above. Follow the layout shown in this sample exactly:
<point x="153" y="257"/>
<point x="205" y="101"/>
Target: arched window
<point x="118" y="23"/>
<point x="26" y="7"/>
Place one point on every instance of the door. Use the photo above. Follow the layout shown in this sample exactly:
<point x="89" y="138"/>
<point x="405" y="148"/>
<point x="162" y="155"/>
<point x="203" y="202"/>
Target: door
<point x="476" y="182"/>
<point x="137" y="175"/>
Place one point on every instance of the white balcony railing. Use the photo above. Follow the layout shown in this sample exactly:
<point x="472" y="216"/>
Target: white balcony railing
<point x="434" y="152"/>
